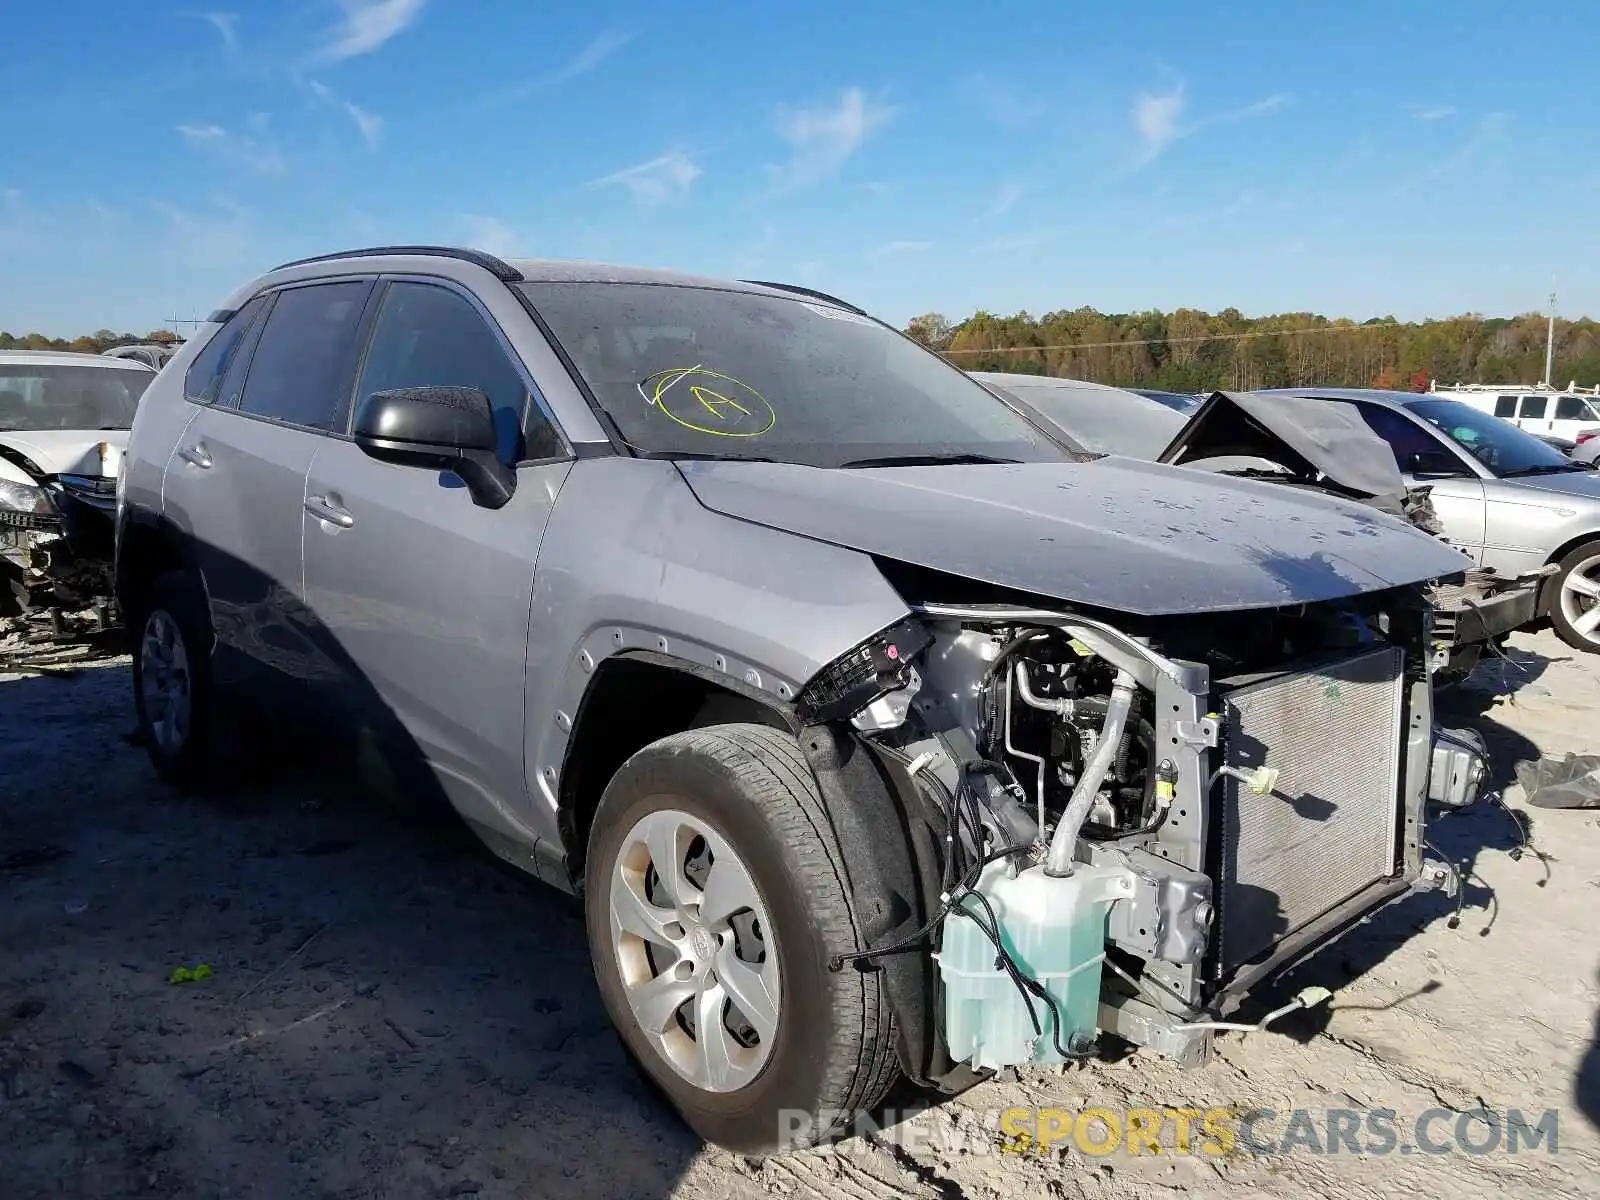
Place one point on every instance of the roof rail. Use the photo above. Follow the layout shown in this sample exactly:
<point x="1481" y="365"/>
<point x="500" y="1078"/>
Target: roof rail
<point x="805" y="291"/>
<point x="497" y="267"/>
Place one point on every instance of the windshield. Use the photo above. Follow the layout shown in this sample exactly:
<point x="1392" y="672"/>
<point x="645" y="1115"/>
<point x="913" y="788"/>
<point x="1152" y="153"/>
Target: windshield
<point x="1497" y="444"/>
<point x="1107" y="422"/>
<point x="706" y="372"/>
<point x="68" y="397"/>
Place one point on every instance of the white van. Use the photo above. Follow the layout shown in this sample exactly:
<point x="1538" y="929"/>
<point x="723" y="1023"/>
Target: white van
<point x="1536" y="408"/>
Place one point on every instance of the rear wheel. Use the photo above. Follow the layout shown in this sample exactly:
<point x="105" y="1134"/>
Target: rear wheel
<point x="1575" y="598"/>
<point x="172" y="680"/>
<point x="714" y="899"/>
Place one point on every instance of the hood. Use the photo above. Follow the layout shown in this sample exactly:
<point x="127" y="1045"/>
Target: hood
<point x="62" y="451"/>
<point x="1112" y="533"/>
<point x="1567" y="483"/>
<point x="1310" y="437"/>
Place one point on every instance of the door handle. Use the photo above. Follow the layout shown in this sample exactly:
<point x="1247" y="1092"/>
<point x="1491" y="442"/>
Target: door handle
<point x="324" y="509"/>
<point x="196" y="455"/>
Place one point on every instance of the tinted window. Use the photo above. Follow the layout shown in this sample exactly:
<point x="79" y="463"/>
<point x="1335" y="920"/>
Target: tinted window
<point x="300" y="372"/>
<point x="1505" y="406"/>
<point x="708" y="371"/>
<point x="233" y="378"/>
<point x="1534" y="406"/>
<point x="1405" y="437"/>
<point x="1498" y="445"/>
<point x="205" y="372"/>
<point x="1571" y="408"/>
<point x="429" y="336"/>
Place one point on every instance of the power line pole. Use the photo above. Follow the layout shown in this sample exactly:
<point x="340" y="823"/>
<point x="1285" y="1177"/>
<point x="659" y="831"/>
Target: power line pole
<point x="1550" y="344"/>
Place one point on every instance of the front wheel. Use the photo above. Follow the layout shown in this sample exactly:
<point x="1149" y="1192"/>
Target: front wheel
<point x="714" y="899"/>
<point x="1575" y="598"/>
<point x="172" y="680"/>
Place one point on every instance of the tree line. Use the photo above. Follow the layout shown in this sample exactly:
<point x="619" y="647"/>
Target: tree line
<point x="1188" y="350"/>
<point x="90" y="343"/>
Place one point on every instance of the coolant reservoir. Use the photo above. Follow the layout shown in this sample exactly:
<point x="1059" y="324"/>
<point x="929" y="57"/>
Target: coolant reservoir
<point x="1055" y="932"/>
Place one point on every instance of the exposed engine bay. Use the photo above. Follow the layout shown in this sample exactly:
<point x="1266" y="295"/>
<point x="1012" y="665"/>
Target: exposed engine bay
<point x="1139" y="825"/>
<point x="56" y="561"/>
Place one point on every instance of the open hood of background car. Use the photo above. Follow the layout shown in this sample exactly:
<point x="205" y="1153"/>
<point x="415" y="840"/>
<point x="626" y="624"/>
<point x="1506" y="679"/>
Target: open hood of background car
<point x="61" y="451"/>
<point x="1317" y="440"/>
<point x="1111" y="533"/>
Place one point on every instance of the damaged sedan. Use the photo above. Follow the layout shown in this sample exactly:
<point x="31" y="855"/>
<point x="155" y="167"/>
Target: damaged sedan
<point x="64" y="421"/>
<point x="880" y="733"/>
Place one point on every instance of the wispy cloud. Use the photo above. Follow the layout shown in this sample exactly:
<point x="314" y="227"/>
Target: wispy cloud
<point x="897" y="248"/>
<point x="1006" y="197"/>
<point x="367" y="26"/>
<point x="821" y="140"/>
<point x="1002" y="102"/>
<point x="657" y="181"/>
<point x="1161" y="118"/>
<point x="1438" y="112"/>
<point x="1016" y="243"/>
<point x="1489" y="131"/>
<point x="227" y="26"/>
<point x="606" y="43"/>
<point x="256" y="150"/>
<point x="368" y="124"/>
<point x="1155" y="121"/>
<point x="493" y="235"/>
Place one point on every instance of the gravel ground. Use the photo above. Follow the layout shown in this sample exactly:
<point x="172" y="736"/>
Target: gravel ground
<point x="390" y="1013"/>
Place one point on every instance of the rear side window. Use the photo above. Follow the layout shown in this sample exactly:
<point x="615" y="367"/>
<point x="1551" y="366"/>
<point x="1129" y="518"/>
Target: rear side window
<point x="1571" y="408"/>
<point x="1505" y="406"/>
<point x="1534" y="406"/>
<point x="206" y="371"/>
<point x="300" y="372"/>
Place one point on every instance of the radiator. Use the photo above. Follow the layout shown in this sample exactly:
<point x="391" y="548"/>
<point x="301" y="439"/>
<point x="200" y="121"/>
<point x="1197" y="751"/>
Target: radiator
<point x="1328" y="828"/>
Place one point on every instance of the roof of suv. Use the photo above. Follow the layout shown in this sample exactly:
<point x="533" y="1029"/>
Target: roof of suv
<point x="544" y="270"/>
<point x="71" y="358"/>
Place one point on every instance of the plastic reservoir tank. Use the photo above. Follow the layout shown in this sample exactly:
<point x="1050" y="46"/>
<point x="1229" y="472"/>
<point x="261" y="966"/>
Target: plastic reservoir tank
<point x="1055" y="931"/>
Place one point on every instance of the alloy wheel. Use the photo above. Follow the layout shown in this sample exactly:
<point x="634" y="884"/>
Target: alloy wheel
<point x="165" y="683"/>
<point x="1580" y="599"/>
<point x="695" y="951"/>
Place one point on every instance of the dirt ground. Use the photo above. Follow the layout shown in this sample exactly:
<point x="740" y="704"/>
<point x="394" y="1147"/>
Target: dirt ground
<point x="390" y="1013"/>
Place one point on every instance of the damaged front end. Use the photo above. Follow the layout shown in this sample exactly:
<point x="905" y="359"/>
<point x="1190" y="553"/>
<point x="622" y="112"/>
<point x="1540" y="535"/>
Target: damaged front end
<point x="1126" y="823"/>
<point x="56" y="552"/>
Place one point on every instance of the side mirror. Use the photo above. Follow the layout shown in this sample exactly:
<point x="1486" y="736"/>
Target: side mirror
<point x="441" y="428"/>
<point x="1433" y="462"/>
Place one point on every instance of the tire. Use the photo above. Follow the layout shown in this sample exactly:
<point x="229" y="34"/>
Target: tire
<point x="173" y="610"/>
<point x="832" y="1052"/>
<point x="1584" y="559"/>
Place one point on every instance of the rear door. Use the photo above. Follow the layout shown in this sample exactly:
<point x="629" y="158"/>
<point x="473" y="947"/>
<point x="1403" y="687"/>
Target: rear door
<point x="236" y="481"/>
<point x="1573" y="415"/>
<point x="1427" y="460"/>
<point x="420" y="597"/>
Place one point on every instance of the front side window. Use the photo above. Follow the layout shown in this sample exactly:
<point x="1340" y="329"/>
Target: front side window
<point x="710" y="372"/>
<point x="300" y="372"/>
<point x="1573" y="408"/>
<point x="205" y="373"/>
<point x="428" y="336"/>
<point x="69" y="397"/>
<point x="1502" y="447"/>
<point x="1409" y="441"/>
<point x="1534" y="406"/>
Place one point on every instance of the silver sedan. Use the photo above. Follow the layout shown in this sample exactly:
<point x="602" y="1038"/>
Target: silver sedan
<point x="1504" y="497"/>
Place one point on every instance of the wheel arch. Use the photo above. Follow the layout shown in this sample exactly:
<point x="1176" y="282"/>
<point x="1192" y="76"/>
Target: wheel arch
<point x="1548" y="591"/>
<point x="148" y="545"/>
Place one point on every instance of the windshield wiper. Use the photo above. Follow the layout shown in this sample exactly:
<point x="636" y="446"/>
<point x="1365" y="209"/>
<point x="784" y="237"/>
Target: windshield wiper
<point x="701" y="456"/>
<point x="1543" y="469"/>
<point x="927" y="460"/>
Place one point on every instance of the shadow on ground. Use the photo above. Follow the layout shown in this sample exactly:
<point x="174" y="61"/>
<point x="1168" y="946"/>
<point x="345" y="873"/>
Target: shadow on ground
<point x="389" y="1011"/>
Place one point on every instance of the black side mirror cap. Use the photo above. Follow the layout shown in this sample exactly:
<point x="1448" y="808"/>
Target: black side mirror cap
<point x="443" y="428"/>
<point x="1433" y="462"/>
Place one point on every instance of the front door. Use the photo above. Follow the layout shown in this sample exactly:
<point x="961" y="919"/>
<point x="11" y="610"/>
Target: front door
<point x="421" y="598"/>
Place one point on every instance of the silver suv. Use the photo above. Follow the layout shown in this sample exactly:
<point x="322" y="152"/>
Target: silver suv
<point x="878" y="731"/>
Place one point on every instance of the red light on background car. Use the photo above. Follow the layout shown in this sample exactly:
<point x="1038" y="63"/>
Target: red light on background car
<point x="1585" y="435"/>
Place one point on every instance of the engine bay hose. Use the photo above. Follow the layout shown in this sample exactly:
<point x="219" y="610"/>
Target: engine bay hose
<point x="1064" y="842"/>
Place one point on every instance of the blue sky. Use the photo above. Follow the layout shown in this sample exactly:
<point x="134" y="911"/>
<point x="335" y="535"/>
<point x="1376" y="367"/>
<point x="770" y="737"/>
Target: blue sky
<point x="1416" y="157"/>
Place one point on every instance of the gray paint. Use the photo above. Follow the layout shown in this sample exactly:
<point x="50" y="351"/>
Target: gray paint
<point x="1112" y="533"/>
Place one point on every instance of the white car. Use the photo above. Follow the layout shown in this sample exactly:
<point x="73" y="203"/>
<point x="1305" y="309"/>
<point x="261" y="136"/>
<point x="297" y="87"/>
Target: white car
<point x="1536" y="409"/>
<point x="64" y="422"/>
